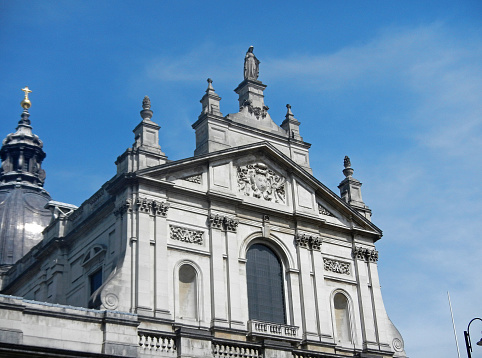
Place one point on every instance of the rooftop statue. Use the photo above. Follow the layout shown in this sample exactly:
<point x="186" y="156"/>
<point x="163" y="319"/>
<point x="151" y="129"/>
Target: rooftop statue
<point x="251" y="65"/>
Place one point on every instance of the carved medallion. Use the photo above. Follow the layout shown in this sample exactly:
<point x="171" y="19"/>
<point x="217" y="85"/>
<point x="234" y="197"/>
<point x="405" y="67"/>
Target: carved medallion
<point x="259" y="181"/>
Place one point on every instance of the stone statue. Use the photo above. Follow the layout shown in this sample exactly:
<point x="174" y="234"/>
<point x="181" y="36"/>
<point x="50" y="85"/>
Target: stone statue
<point x="251" y="65"/>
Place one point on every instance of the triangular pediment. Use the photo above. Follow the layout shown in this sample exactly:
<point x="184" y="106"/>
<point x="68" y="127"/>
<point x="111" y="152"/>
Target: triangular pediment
<point x="259" y="175"/>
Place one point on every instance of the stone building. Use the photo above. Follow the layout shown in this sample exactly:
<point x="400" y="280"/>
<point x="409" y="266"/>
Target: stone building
<point x="236" y="252"/>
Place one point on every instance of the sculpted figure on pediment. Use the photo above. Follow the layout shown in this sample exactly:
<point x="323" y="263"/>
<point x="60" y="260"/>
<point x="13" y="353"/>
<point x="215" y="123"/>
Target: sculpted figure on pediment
<point x="258" y="181"/>
<point x="251" y="65"/>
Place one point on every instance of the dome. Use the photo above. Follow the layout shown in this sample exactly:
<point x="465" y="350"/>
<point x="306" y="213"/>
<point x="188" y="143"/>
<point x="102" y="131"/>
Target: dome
<point x="23" y="215"/>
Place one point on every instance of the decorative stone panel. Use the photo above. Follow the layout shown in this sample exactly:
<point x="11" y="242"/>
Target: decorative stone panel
<point x="258" y="181"/>
<point x="336" y="266"/>
<point x="368" y="255"/>
<point x="309" y="242"/>
<point x="223" y="223"/>
<point x="186" y="235"/>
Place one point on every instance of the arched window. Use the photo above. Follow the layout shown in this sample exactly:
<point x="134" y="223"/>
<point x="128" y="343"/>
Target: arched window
<point x="342" y="318"/>
<point x="187" y="292"/>
<point x="265" y="285"/>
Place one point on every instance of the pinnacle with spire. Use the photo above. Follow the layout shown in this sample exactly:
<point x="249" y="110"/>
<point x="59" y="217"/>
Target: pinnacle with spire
<point x="291" y="125"/>
<point x="350" y="190"/>
<point x="210" y="101"/>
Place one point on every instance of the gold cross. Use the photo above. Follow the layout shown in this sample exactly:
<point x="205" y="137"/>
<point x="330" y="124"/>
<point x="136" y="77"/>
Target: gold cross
<point x="27" y="91"/>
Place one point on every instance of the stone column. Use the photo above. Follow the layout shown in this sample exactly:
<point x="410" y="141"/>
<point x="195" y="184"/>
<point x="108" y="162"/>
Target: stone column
<point x="305" y="246"/>
<point x="144" y="304"/>
<point x="370" y="339"/>
<point x="236" y="303"/>
<point x="162" y="289"/>
<point x="218" y="272"/>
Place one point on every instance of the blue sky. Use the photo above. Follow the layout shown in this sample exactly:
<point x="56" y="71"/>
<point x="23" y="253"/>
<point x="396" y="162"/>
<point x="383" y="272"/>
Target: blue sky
<point x="396" y="85"/>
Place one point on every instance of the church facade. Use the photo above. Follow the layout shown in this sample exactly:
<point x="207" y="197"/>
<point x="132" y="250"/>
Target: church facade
<point x="235" y="252"/>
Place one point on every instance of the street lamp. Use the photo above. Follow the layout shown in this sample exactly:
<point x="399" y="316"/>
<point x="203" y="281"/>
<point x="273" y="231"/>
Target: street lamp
<point x="468" y="343"/>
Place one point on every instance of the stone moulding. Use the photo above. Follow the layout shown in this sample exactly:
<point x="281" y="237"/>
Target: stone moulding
<point x="361" y="253"/>
<point x="258" y="181"/>
<point x="336" y="266"/>
<point x="186" y="235"/>
<point x="223" y="223"/>
<point x="309" y="242"/>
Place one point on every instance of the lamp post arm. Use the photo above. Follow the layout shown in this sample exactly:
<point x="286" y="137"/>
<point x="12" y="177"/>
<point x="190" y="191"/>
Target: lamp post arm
<point x="468" y="343"/>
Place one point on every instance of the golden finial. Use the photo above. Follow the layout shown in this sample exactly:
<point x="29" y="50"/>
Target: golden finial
<point x="26" y="102"/>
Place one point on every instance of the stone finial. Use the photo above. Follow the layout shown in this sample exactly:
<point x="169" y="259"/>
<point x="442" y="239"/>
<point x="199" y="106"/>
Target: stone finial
<point x="348" y="171"/>
<point x="210" y="83"/>
<point x="251" y="65"/>
<point x="146" y="103"/>
<point x="146" y="112"/>
<point x="288" y="112"/>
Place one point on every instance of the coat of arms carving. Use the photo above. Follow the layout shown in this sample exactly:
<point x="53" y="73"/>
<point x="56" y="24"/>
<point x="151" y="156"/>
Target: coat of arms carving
<point x="259" y="181"/>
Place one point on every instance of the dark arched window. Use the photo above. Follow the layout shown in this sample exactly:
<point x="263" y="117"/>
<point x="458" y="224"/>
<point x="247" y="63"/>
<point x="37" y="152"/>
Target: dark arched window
<point x="265" y="285"/>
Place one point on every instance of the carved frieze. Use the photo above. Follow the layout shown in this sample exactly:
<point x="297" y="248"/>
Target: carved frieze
<point x="368" y="255"/>
<point x="152" y="207"/>
<point x="223" y="223"/>
<point x="186" y="235"/>
<point x="309" y="242"/>
<point x="259" y="181"/>
<point x="193" y="179"/>
<point x="336" y="266"/>
<point x="324" y="211"/>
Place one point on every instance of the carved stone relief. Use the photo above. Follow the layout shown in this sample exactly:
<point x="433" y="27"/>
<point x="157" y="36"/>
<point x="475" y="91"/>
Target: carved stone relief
<point x="186" y="235"/>
<point x="324" y="211"/>
<point x="259" y="181"/>
<point x="123" y="208"/>
<point x="194" y="179"/>
<point x="257" y="111"/>
<point x="223" y="223"/>
<point x="336" y="266"/>
<point x="309" y="242"/>
<point x="152" y="207"/>
<point x="362" y="253"/>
